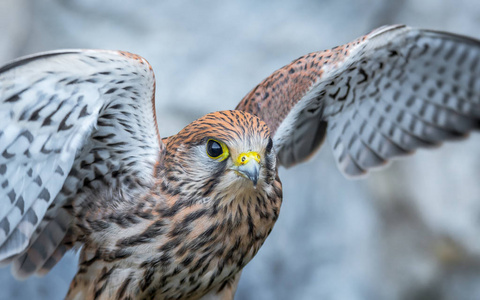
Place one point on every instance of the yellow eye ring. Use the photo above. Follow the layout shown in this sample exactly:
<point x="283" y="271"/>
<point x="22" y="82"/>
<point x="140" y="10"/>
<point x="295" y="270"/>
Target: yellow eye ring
<point x="216" y="150"/>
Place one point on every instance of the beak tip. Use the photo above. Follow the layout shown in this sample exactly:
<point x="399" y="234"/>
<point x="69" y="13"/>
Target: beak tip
<point x="251" y="171"/>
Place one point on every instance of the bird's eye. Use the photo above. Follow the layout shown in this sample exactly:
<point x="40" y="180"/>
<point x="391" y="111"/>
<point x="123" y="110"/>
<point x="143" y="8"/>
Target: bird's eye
<point x="269" y="145"/>
<point x="217" y="150"/>
<point x="214" y="149"/>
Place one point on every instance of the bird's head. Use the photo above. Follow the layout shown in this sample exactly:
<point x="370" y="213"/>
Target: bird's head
<point x="222" y="151"/>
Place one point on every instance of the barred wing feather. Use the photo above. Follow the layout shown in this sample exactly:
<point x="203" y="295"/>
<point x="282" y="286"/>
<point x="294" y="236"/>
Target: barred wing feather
<point x="379" y="97"/>
<point x="69" y="121"/>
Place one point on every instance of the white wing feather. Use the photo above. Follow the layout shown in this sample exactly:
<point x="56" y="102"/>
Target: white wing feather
<point x="69" y="120"/>
<point x="404" y="89"/>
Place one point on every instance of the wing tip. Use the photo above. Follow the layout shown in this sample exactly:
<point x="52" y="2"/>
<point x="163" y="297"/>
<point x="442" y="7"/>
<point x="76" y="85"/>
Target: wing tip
<point x="365" y="172"/>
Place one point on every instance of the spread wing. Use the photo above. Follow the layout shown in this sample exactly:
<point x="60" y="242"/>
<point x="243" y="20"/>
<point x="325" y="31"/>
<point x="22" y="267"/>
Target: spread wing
<point x="70" y="121"/>
<point x="382" y="96"/>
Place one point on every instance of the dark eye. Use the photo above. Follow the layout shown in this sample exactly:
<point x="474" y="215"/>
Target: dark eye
<point x="269" y="145"/>
<point x="214" y="149"/>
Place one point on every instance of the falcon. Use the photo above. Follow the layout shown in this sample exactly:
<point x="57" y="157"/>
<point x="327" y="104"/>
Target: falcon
<point x="82" y="163"/>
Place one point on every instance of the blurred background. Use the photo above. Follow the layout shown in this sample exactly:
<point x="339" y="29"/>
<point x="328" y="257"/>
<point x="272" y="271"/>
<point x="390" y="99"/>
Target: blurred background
<point x="411" y="231"/>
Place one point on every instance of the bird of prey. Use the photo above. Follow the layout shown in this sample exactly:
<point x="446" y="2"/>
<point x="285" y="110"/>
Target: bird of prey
<point x="82" y="163"/>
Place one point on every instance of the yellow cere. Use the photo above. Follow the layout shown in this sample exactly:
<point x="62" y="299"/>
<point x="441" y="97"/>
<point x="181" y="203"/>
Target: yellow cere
<point x="224" y="154"/>
<point x="244" y="158"/>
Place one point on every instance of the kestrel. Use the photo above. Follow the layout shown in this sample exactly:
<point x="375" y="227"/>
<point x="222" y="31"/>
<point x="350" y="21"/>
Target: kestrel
<point x="82" y="163"/>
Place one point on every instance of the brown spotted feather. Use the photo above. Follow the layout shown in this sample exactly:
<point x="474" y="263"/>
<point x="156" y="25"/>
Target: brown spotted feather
<point x="273" y="99"/>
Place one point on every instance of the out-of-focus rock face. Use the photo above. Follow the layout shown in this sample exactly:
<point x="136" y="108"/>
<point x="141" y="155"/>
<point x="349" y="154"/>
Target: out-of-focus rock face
<point x="15" y="26"/>
<point x="408" y="232"/>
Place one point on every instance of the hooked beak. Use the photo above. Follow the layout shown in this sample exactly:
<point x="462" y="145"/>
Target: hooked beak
<point x="248" y="166"/>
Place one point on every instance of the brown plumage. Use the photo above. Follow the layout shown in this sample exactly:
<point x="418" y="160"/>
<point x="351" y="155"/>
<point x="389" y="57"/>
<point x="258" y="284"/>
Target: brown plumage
<point x="82" y="164"/>
<point x="193" y="230"/>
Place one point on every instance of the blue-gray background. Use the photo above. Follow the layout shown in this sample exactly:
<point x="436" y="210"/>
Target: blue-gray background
<point x="408" y="232"/>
